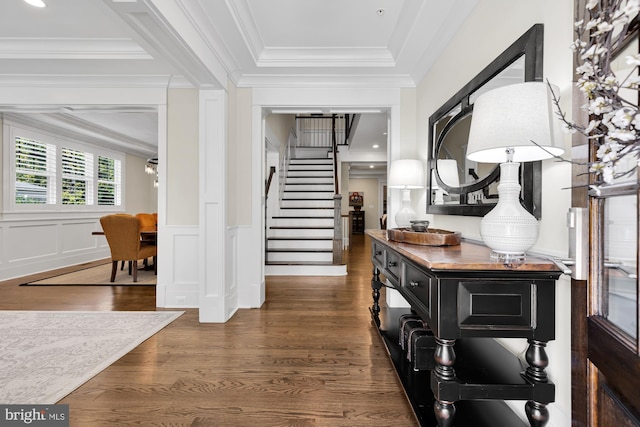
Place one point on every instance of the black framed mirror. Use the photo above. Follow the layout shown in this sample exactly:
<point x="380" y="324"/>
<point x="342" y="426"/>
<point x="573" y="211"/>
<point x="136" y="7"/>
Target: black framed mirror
<point x="458" y="186"/>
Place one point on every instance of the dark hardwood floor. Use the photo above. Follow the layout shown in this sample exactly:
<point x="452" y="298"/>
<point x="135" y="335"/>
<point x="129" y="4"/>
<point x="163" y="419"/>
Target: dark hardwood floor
<point x="309" y="357"/>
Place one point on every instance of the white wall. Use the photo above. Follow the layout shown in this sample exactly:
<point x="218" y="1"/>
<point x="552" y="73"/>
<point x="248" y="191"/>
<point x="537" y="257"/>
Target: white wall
<point x="370" y="188"/>
<point x="491" y="28"/>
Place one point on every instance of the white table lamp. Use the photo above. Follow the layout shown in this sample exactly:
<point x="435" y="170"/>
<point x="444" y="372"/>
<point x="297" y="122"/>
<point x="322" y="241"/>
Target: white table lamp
<point x="407" y="174"/>
<point x="505" y="121"/>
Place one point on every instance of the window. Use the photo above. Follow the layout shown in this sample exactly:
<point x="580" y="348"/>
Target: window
<point x="50" y="174"/>
<point x="109" y="178"/>
<point x="77" y="173"/>
<point x="35" y="165"/>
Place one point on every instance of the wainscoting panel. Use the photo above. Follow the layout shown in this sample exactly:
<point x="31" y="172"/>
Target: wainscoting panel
<point x="32" y="241"/>
<point x="76" y="236"/>
<point x="178" y="270"/>
<point x="231" y="273"/>
<point x="33" y="246"/>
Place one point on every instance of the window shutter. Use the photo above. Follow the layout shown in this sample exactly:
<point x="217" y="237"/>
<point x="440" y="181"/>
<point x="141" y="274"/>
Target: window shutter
<point x="35" y="172"/>
<point x="109" y="181"/>
<point x="77" y="170"/>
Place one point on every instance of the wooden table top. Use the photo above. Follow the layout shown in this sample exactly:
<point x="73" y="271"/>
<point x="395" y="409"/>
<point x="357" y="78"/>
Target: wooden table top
<point x="465" y="256"/>
<point x="142" y="231"/>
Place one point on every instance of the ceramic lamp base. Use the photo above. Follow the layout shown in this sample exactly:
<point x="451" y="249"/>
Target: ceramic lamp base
<point x="406" y="214"/>
<point x="509" y="229"/>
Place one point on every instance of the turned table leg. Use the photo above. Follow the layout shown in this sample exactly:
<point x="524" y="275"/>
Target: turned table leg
<point x="445" y="357"/>
<point x="376" y="285"/>
<point x="536" y="356"/>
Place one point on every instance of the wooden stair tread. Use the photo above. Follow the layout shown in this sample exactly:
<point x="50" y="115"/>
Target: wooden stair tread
<point x="299" y="250"/>
<point x="301" y="263"/>
<point x="300" y="238"/>
<point x="300" y="227"/>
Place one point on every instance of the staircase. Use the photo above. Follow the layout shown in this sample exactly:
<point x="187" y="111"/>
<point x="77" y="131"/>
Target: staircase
<point x="300" y="235"/>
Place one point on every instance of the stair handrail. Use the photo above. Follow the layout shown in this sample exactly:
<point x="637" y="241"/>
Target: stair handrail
<point x="335" y="155"/>
<point x="337" y="202"/>
<point x="272" y="171"/>
<point x="288" y="153"/>
<point x="267" y="187"/>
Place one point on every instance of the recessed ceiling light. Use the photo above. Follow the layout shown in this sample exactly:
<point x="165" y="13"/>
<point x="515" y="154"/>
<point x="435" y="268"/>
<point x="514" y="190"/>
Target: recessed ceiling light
<point x="36" y="3"/>
<point x="371" y="166"/>
<point x="376" y="146"/>
<point x="380" y="11"/>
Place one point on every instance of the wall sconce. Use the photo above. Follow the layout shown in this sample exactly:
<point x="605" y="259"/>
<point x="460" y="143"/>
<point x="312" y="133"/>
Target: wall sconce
<point x="151" y="168"/>
<point x="512" y="124"/>
<point x="407" y="174"/>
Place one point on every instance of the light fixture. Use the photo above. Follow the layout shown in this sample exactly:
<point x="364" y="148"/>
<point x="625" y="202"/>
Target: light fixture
<point x="36" y="3"/>
<point x="375" y="146"/>
<point x="512" y="124"/>
<point x="407" y="174"/>
<point x="151" y="168"/>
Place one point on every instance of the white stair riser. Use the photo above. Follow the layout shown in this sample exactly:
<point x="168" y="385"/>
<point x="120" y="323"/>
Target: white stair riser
<point x="307" y="203"/>
<point x="311" y="153"/>
<point x="302" y="244"/>
<point x="302" y="222"/>
<point x="305" y="270"/>
<point x="309" y="187"/>
<point x="299" y="232"/>
<point x="300" y="256"/>
<point x="312" y="166"/>
<point x="310" y="169"/>
<point x="326" y="195"/>
<point x="309" y="179"/>
<point x="306" y="212"/>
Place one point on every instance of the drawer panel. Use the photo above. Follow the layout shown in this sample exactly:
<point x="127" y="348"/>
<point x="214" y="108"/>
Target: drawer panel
<point x="377" y="253"/>
<point x="487" y="305"/>
<point x="419" y="284"/>
<point x="393" y="266"/>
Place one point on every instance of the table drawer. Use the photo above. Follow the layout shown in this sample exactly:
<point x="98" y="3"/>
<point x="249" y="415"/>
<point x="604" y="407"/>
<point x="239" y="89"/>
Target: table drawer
<point x="419" y="284"/>
<point x="377" y="253"/>
<point x="392" y="265"/>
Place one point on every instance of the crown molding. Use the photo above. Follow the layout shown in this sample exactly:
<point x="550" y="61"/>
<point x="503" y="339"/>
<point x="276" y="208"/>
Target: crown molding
<point x="49" y="80"/>
<point x="70" y="48"/>
<point x="323" y="80"/>
<point x="326" y="57"/>
<point x="83" y="131"/>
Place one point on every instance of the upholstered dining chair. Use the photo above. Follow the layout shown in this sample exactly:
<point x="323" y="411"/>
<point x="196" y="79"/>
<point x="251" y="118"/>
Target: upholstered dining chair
<point x="123" y="235"/>
<point x="147" y="221"/>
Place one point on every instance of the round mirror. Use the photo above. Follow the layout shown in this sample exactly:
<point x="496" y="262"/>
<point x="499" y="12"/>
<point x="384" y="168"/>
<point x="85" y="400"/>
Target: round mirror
<point x="455" y="173"/>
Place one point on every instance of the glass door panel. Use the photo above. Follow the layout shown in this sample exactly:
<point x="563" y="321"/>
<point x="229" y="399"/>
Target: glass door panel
<point x="620" y="297"/>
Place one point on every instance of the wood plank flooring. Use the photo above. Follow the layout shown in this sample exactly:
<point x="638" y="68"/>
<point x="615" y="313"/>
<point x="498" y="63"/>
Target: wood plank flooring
<point x="309" y="357"/>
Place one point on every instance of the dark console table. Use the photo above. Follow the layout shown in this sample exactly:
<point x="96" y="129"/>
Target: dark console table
<point x="465" y="300"/>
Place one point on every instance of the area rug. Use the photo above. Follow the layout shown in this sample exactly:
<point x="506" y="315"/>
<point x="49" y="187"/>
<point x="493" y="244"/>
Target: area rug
<point x="99" y="276"/>
<point x="45" y="355"/>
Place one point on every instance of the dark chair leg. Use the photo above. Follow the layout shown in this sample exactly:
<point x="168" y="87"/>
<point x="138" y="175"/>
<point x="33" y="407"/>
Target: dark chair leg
<point x="122" y="265"/>
<point x="130" y="268"/>
<point x="135" y="270"/>
<point x="114" y="268"/>
<point x="155" y="265"/>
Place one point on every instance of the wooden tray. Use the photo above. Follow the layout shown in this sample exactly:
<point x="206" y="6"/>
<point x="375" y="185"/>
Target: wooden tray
<point x="431" y="237"/>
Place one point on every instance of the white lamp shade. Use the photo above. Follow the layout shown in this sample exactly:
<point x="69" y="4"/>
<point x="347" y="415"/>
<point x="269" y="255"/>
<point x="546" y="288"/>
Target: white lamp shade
<point x="512" y="117"/>
<point x="406" y="173"/>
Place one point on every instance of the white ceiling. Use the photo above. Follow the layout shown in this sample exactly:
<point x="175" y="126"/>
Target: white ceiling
<point x="384" y="43"/>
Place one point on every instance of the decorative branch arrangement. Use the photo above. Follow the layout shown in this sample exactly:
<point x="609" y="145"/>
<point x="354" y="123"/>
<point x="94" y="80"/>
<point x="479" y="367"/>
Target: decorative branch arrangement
<point x="612" y="100"/>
